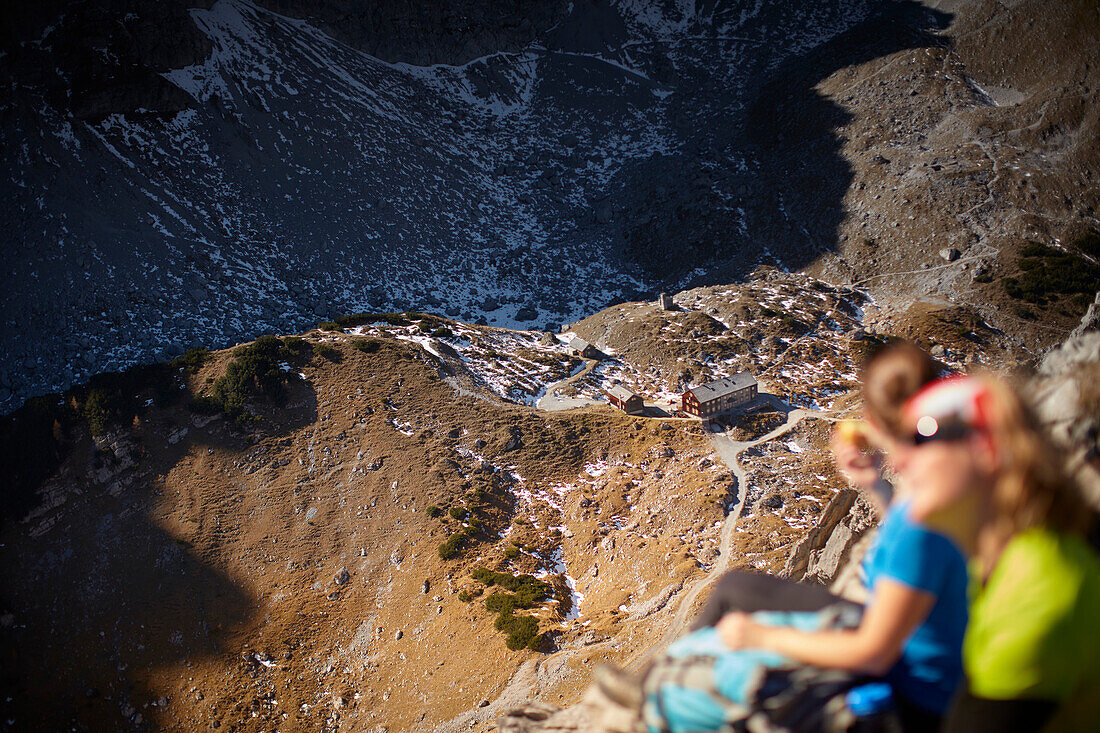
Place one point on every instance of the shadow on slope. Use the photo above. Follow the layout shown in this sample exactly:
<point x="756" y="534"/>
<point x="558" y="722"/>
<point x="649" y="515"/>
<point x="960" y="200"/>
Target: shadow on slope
<point x="105" y="586"/>
<point x="776" y="195"/>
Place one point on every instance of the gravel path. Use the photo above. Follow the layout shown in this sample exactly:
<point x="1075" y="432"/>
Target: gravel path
<point x="551" y="402"/>
<point x="729" y="451"/>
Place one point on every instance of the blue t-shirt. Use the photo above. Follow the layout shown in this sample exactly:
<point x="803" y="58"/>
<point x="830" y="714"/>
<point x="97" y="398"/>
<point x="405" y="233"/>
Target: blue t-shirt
<point x="930" y="666"/>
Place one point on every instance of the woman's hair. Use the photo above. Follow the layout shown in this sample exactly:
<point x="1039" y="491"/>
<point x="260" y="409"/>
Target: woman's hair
<point x="891" y="375"/>
<point x="1033" y="487"/>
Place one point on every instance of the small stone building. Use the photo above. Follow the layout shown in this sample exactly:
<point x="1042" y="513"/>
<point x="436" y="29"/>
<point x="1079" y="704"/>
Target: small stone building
<point x="625" y="400"/>
<point x="580" y="347"/>
<point x="666" y="302"/>
<point x="720" y="397"/>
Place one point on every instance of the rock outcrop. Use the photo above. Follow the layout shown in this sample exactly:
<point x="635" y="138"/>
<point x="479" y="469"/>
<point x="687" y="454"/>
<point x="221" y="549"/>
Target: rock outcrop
<point x="596" y="713"/>
<point x="822" y="553"/>
<point x="1067" y="399"/>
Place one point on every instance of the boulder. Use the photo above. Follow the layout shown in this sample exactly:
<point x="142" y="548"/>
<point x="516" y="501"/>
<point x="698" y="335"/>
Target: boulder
<point x="604" y="213"/>
<point x="1068" y="404"/>
<point x="1090" y="321"/>
<point x="514" y="442"/>
<point x="824" y="549"/>
<point x="950" y="254"/>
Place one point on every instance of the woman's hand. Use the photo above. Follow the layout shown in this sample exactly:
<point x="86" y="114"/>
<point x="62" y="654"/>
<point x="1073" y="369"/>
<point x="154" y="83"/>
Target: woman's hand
<point x="860" y="467"/>
<point x="738" y="631"/>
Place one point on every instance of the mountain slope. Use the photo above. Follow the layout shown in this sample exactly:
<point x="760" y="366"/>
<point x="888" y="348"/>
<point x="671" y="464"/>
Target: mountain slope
<point x="297" y="177"/>
<point x="189" y="569"/>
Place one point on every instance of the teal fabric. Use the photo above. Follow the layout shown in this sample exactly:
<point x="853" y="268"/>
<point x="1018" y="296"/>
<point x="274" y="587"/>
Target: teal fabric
<point x="702" y="685"/>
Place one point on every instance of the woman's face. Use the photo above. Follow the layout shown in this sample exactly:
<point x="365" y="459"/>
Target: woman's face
<point x="946" y="480"/>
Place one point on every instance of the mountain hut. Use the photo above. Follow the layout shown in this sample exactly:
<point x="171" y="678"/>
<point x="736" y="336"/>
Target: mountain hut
<point x="720" y="397"/>
<point x="625" y="400"/>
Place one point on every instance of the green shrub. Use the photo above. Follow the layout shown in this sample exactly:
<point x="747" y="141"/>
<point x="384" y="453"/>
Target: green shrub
<point x="424" y="327"/>
<point x="245" y="421"/>
<point x="465" y="596"/>
<point x="1047" y="273"/>
<point x="433" y="511"/>
<point x="453" y="546"/>
<point x="100" y="408"/>
<point x="511" y="552"/>
<point x="367" y="346"/>
<point x="528" y="589"/>
<point x="192" y="359"/>
<point x="354" y="319"/>
<point x="483" y="575"/>
<point x="330" y="326"/>
<point x="522" y="631"/>
<point x="458" y="513"/>
<point x="502" y="603"/>
<point x="327" y="352"/>
<point x="443" y="333"/>
<point x="295" y="345"/>
<point x="119" y="397"/>
<point x="254" y="372"/>
<point x="393" y="319"/>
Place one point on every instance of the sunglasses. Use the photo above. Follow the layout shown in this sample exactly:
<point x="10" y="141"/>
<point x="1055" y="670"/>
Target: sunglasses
<point x="931" y="429"/>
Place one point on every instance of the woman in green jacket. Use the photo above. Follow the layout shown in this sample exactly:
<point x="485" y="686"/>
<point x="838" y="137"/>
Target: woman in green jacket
<point x="981" y="472"/>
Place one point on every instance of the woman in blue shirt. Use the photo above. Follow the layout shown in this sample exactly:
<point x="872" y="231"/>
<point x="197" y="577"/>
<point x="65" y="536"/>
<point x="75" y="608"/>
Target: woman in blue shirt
<point x="911" y="628"/>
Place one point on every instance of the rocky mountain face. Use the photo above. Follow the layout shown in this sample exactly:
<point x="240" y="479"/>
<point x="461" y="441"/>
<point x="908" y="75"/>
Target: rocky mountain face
<point x="347" y="546"/>
<point x="453" y="32"/>
<point x="199" y="173"/>
<point x="349" y="551"/>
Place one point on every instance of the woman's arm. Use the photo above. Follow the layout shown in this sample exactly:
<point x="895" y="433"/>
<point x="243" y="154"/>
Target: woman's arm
<point x="897" y="610"/>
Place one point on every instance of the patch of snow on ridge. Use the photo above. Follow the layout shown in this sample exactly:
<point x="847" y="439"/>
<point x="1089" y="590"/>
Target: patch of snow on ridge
<point x="515" y="365"/>
<point x="558" y="568"/>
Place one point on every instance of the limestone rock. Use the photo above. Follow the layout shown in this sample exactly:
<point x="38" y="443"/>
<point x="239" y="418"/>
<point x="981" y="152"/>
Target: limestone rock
<point x="821" y="553"/>
<point x="1067" y="402"/>
<point x="595" y="713"/>
<point x="1090" y="321"/>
